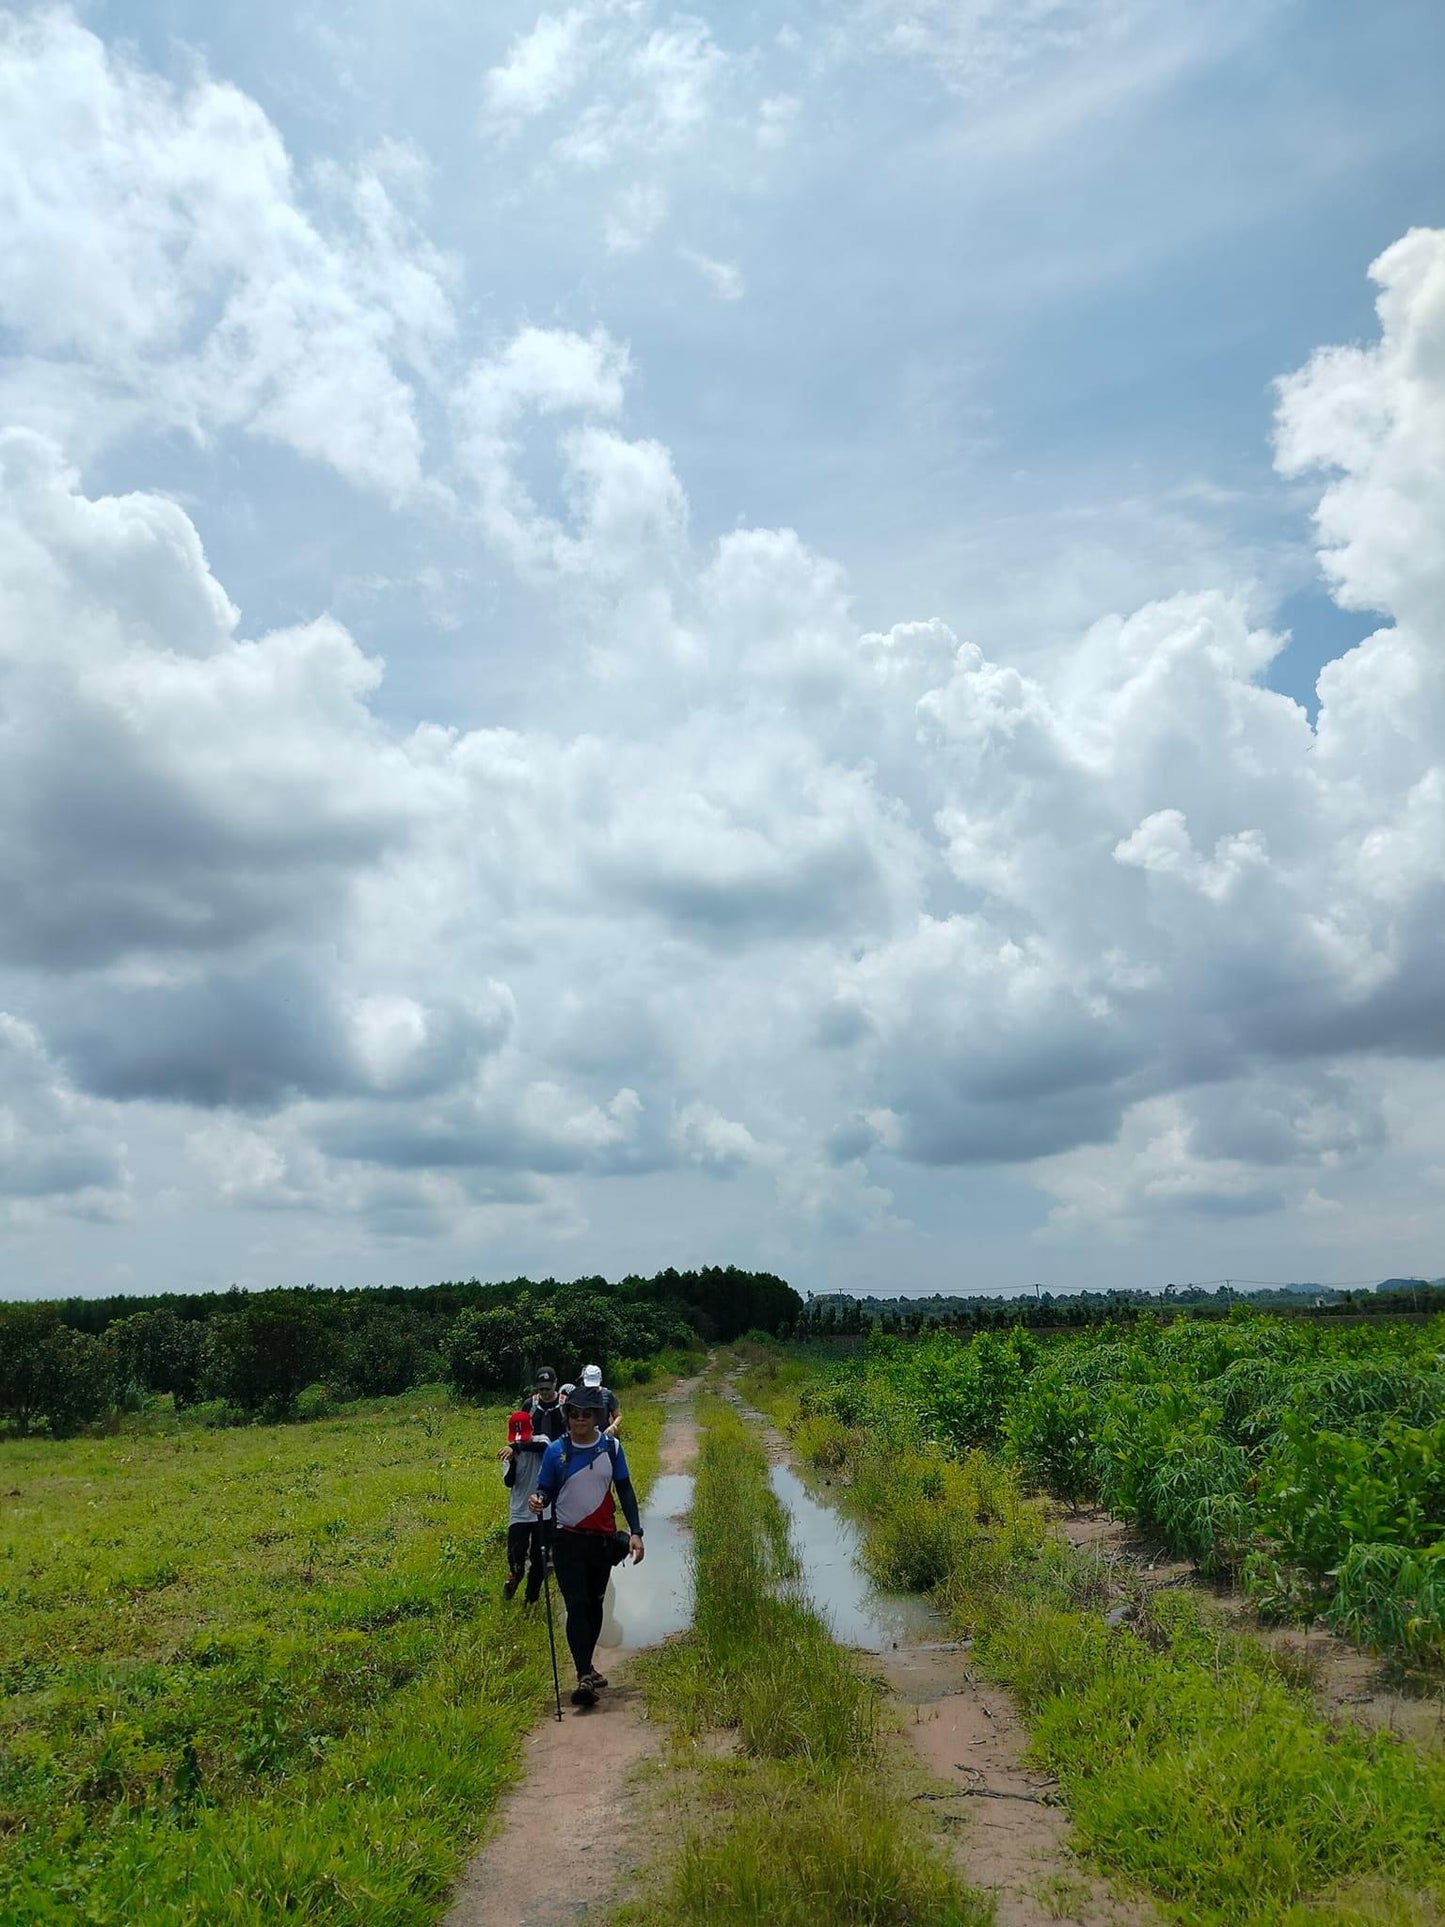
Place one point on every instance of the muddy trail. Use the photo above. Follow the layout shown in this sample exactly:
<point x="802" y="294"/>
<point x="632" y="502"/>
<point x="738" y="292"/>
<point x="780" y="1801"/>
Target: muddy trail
<point x="566" y="1835"/>
<point x="1004" y="1822"/>
<point x="568" y="1838"/>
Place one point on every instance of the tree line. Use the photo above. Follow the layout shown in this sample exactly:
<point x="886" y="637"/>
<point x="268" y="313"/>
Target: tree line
<point x="838" y="1316"/>
<point x="70" y="1363"/>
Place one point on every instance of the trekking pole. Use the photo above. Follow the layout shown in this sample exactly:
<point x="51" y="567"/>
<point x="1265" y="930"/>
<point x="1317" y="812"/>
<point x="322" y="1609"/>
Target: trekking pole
<point x="547" y="1598"/>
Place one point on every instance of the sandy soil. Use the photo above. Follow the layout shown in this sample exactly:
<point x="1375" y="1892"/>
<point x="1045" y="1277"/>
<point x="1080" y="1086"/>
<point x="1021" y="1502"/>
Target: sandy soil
<point x="1008" y="1829"/>
<point x="565" y="1836"/>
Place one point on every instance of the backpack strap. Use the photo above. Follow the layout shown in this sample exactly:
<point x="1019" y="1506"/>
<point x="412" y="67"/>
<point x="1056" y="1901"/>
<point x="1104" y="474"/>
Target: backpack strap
<point x="611" y="1445"/>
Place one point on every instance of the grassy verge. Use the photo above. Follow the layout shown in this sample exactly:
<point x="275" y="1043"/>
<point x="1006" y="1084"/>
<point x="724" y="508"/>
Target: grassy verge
<point x="1192" y="1757"/>
<point x="261" y="1675"/>
<point x="797" y="1824"/>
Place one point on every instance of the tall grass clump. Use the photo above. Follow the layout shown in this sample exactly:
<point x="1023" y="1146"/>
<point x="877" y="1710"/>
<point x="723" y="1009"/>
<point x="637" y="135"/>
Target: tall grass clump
<point x="1194" y="1766"/>
<point x="799" y="1824"/>
<point x="758" y="1659"/>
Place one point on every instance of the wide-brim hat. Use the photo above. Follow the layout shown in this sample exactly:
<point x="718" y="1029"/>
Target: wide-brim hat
<point x="586" y="1398"/>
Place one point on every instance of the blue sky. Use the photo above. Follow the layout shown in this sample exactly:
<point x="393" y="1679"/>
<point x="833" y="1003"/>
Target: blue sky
<point x="808" y="484"/>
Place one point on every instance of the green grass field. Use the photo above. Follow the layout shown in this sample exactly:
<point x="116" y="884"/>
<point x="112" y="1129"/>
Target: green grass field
<point x="262" y="1674"/>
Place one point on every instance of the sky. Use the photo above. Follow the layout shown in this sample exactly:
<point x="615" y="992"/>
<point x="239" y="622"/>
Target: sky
<point x="801" y="635"/>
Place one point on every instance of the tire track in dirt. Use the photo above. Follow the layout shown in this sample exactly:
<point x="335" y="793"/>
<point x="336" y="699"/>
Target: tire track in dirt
<point x="566" y="1835"/>
<point x="1006" y="1825"/>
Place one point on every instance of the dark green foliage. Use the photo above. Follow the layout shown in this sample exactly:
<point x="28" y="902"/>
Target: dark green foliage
<point x="252" y="1354"/>
<point x="1308" y="1458"/>
<point x="50" y="1376"/>
<point x="382" y="1354"/>
<point x="155" y="1351"/>
<point x="502" y="1346"/>
<point x="260" y="1358"/>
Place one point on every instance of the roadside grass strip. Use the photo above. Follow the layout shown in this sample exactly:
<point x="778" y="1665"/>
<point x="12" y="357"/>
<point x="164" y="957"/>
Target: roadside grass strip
<point x="803" y="1821"/>
<point x="1192" y="1757"/>
<point x="260" y="1675"/>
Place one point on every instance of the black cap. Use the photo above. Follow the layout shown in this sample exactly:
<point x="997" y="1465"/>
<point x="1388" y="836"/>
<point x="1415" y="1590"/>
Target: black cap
<point x="586" y="1398"/>
<point x="545" y="1375"/>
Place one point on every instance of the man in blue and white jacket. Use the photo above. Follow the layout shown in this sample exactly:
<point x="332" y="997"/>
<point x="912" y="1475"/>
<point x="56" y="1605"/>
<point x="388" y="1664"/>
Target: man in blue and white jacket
<point x="578" y="1478"/>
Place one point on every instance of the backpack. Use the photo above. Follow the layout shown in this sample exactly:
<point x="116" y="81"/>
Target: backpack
<point x="536" y="1411"/>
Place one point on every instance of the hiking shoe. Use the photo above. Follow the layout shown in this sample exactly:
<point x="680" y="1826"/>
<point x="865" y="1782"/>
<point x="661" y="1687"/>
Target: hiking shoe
<point x="584" y="1694"/>
<point x="594" y="1680"/>
<point x="510" y="1584"/>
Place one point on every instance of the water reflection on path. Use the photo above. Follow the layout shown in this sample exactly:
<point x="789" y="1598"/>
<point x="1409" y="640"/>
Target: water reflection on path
<point x="645" y="1603"/>
<point x="829" y="1547"/>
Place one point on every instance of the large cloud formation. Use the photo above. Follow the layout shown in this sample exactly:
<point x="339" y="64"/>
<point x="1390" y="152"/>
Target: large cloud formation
<point x="799" y="902"/>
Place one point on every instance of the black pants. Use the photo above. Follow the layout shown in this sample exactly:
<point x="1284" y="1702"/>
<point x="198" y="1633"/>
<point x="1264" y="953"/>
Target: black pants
<point x="522" y="1539"/>
<point x="582" y="1562"/>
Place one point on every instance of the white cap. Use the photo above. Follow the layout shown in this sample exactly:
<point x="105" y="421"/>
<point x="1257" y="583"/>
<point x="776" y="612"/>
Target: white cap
<point x="591" y="1374"/>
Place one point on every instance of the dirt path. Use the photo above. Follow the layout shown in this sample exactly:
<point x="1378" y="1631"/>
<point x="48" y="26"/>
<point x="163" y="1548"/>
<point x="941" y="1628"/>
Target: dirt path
<point x="1006" y="1825"/>
<point x="1008" y="1829"/>
<point x="564" y="1837"/>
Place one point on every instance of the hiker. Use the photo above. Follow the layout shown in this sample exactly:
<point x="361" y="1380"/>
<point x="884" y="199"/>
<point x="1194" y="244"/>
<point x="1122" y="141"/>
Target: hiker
<point x="521" y="1464"/>
<point x="612" y="1416"/>
<point x="544" y="1407"/>
<point x="578" y="1477"/>
<point x="544" y="1411"/>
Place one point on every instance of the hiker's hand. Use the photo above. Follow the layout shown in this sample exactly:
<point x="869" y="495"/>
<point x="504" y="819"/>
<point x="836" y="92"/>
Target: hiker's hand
<point x="635" y="1547"/>
<point x="536" y="1502"/>
<point x="505" y="1455"/>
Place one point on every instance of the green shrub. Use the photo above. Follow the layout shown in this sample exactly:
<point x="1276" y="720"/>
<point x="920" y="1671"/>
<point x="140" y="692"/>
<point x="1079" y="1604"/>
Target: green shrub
<point x="52" y="1379"/>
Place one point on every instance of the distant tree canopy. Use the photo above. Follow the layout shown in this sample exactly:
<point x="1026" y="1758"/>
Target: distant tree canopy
<point x="64" y="1365"/>
<point x="835" y="1315"/>
<point x="489" y="1348"/>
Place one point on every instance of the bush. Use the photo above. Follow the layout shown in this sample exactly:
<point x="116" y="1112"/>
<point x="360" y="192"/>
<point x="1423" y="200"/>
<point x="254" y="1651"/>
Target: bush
<point x="1309" y="1458"/>
<point x="380" y="1356"/>
<point x="159" y="1353"/>
<point x="261" y="1358"/>
<point x="50" y="1376"/>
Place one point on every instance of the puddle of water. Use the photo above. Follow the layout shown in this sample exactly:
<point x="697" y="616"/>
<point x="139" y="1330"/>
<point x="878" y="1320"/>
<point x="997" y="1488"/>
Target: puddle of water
<point x="645" y="1603"/>
<point x="829" y="1548"/>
